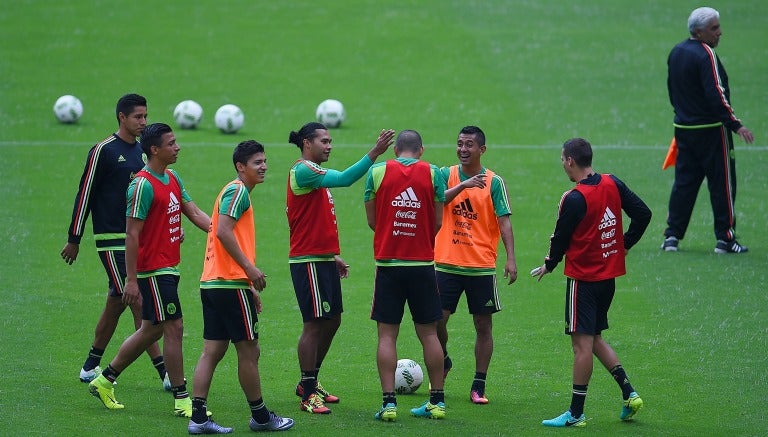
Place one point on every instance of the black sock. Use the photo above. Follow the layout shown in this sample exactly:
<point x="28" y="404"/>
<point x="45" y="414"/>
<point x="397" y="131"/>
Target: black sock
<point x="436" y="396"/>
<point x="388" y="398"/>
<point x="159" y="364"/>
<point x="620" y="376"/>
<point x="199" y="410"/>
<point x="308" y="383"/>
<point x="180" y="392"/>
<point x="577" y="400"/>
<point x="94" y="358"/>
<point x="478" y="384"/>
<point x="259" y="411"/>
<point x="110" y="373"/>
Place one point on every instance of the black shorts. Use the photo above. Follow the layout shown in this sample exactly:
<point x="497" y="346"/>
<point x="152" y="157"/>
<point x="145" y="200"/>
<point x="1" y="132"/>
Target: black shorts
<point x="318" y="289"/>
<point x="394" y="286"/>
<point x="229" y="314"/>
<point x="587" y="305"/>
<point x="482" y="296"/>
<point x="160" y="298"/>
<point x="114" y="264"/>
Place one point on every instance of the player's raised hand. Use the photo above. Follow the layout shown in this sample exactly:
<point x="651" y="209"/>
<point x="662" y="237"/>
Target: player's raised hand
<point x="386" y="138"/>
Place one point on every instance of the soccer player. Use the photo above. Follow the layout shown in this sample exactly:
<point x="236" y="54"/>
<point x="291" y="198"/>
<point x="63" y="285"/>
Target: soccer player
<point x="109" y="168"/>
<point x="704" y="125"/>
<point x="466" y="248"/>
<point x="229" y="290"/>
<point x="156" y="198"/>
<point x="404" y="207"/>
<point x="590" y="234"/>
<point x="316" y="267"/>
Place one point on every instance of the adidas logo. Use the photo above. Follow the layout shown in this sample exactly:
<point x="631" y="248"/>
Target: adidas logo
<point x="609" y="219"/>
<point x="173" y="204"/>
<point x="489" y="303"/>
<point x="464" y="209"/>
<point x="407" y="199"/>
<point x="121" y="159"/>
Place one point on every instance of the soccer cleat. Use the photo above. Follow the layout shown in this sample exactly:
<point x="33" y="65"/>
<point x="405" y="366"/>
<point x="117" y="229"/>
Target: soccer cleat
<point x="183" y="408"/>
<point x="208" y="427"/>
<point x="478" y="398"/>
<point x="631" y="406"/>
<point x="387" y="413"/>
<point x="276" y="423"/>
<point x="732" y="246"/>
<point x="101" y="388"/>
<point x="670" y="244"/>
<point x="314" y="404"/>
<point x="429" y="410"/>
<point x="167" y="386"/>
<point x="89" y="375"/>
<point x="327" y="397"/>
<point x="566" y="419"/>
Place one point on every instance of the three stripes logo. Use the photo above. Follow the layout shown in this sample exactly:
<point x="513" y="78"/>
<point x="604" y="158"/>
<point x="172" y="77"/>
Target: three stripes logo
<point x="173" y="204"/>
<point x="407" y="199"/>
<point x="608" y="220"/>
<point x="464" y="209"/>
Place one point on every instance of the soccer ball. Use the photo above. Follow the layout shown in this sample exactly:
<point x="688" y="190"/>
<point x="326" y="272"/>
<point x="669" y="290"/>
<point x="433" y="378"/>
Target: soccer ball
<point x="68" y="109"/>
<point x="330" y="113"/>
<point x="188" y="114"/>
<point x="408" y="376"/>
<point x="229" y="118"/>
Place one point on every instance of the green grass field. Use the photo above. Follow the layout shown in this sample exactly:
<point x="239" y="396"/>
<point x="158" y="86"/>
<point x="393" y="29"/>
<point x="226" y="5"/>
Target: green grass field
<point x="689" y="327"/>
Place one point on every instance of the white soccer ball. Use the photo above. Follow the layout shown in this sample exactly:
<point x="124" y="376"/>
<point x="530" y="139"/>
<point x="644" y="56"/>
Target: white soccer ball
<point x="408" y="376"/>
<point x="330" y="113"/>
<point x="68" y="109"/>
<point x="229" y="118"/>
<point x="188" y="114"/>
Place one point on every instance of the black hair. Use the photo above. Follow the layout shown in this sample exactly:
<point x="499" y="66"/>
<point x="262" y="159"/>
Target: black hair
<point x="127" y="103"/>
<point x="476" y="131"/>
<point x="245" y="150"/>
<point x="408" y="140"/>
<point x="152" y="136"/>
<point x="580" y="150"/>
<point x="307" y="132"/>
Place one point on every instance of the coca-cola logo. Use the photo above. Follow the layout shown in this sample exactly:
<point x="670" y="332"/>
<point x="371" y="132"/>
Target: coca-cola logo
<point x="405" y="214"/>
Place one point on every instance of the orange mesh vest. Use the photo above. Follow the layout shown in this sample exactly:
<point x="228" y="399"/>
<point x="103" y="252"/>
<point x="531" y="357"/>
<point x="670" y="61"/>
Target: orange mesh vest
<point x="470" y="233"/>
<point x="218" y="264"/>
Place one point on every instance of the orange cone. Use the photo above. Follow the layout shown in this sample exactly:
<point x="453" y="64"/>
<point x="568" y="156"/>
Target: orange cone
<point x="671" y="155"/>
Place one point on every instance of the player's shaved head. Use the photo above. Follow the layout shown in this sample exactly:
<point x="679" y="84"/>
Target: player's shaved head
<point x="408" y="140"/>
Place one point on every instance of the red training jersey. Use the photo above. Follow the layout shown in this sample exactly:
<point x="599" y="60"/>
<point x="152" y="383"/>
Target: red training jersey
<point x="596" y="250"/>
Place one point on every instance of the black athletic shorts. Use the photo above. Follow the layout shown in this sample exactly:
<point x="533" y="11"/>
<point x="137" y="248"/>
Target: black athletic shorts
<point x="318" y="289"/>
<point x="229" y="314"/>
<point x="394" y="286"/>
<point x="114" y="264"/>
<point x="482" y="296"/>
<point x="160" y="298"/>
<point x="587" y="305"/>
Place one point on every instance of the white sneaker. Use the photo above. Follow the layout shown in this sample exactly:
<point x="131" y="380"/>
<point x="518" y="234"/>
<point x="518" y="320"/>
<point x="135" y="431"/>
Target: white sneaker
<point x="167" y="383"/>
<point x="90" y="375"/>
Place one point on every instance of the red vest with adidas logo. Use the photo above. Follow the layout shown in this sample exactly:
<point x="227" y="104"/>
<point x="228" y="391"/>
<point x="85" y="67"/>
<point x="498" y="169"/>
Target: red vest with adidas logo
<point x="405" y="213"/>
<point x="160" y="237"/>
<point x="596" y="250"/>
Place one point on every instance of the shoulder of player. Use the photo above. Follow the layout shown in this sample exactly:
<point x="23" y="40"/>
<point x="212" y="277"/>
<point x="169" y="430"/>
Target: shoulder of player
<point x="306" y="165"/>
